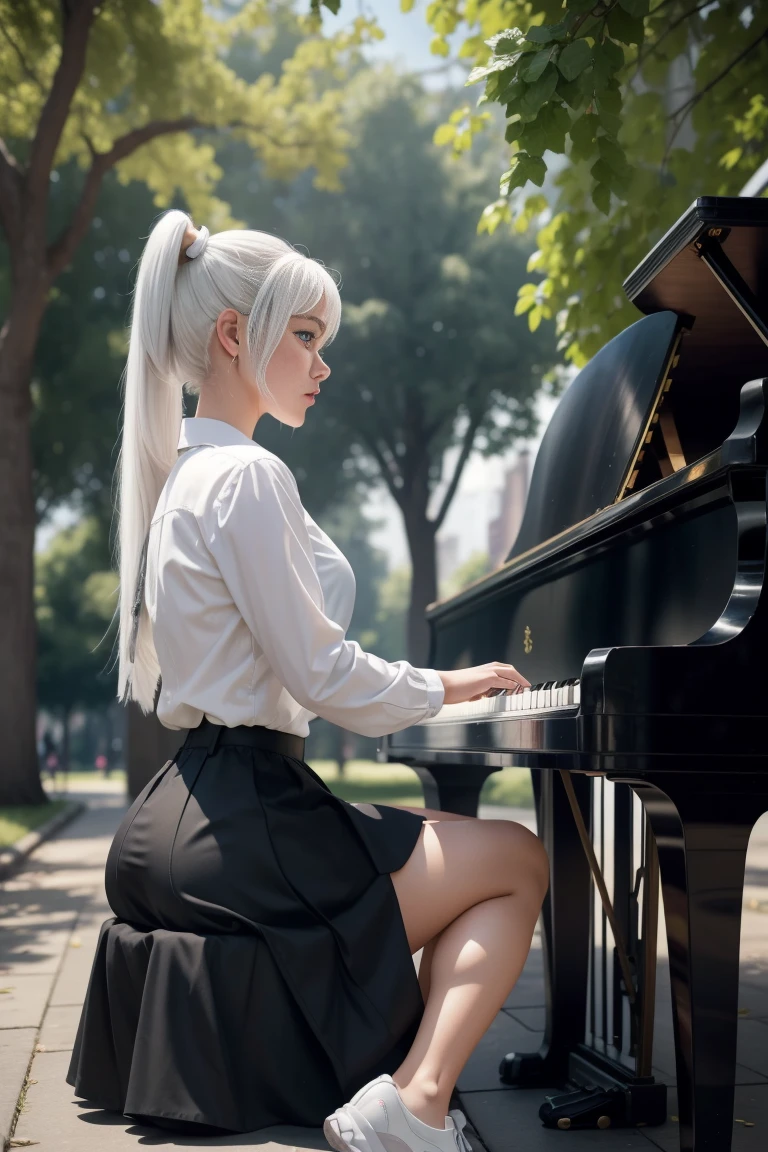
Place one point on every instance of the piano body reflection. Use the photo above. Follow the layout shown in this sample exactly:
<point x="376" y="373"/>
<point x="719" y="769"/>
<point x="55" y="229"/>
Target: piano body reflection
<point x="634" y="600"/>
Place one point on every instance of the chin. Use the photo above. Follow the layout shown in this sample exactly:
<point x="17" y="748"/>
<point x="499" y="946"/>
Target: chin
<point x="293" y="420"/>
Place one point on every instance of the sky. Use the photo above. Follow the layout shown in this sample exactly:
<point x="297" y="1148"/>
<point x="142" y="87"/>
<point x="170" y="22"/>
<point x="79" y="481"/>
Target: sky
<point x="407" y="35"/>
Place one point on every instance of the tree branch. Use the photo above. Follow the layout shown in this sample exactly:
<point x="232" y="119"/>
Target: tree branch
<point x="77" y="17"/>
<point x="680" y="113"/>
<point x="61" y="251"/>
<point x="642" y="57"/>
<point x="28" y="72"/>
<point x="10" y="193"/>
<point x="466" y="448"/>
<point x="387" y="472"/>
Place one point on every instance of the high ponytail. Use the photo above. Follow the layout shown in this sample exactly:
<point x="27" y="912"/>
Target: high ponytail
<point x="175" y="308"/>
<point x="151" y="425"/>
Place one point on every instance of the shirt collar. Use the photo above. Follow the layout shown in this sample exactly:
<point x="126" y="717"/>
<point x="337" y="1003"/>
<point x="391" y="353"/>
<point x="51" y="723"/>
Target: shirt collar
<point x="197" y="431"/>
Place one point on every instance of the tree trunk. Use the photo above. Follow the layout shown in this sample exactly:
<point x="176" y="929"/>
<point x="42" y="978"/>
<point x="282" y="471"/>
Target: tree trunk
<point x="66" y="718"/>
<point x="19" y="776"/>
<point x="421" y="542"/>
<point x="339" y="739"/>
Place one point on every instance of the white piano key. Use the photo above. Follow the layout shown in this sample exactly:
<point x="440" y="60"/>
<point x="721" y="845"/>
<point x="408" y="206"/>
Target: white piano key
<point x="538" y="699"/>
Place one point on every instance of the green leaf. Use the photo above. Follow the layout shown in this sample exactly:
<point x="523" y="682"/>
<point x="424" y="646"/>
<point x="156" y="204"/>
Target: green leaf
<point x="547" y="132"/>
<point x="602" y="173"/>
<point x="497" y="64"/>
<point x="583" y="133"/>
<point x="608" y="99"/>
<point x="628" y="29"/>
<point x="510" y="97"/>
<point x="581" y="6"/>
<point x="617" y="181"/>
<point x="444" y="134"/>
<point x="574" y="58"/>
<point x="499" y="83"/>
<point x="609" y="122"/>
<point x="539" y="61"/>
<point x="608" y="59"/>
<point x="524" y="168"/>
<point x="533" y="138"/>
<point x="574" y="92"/>
<point x="534" y="95"/>
<point x="612" y="153"/>
<point x="545" y="33"/>
<point x="731" y="158"/>
<point x="332" y="6"/>
<point x="511" y="40"/>
<point x="514" y="130"/>
<point x="601" y="198"/>
<point x="537" y="170"/>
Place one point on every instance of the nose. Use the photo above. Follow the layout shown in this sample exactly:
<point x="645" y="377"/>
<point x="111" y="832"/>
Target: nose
<point x="320" y="370"/>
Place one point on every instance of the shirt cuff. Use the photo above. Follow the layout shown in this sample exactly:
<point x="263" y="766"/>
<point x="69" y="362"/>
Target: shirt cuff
<point x="435" y="692"/>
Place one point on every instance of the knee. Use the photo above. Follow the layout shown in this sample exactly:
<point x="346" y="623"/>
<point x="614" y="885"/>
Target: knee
<point x="529" y="862"/>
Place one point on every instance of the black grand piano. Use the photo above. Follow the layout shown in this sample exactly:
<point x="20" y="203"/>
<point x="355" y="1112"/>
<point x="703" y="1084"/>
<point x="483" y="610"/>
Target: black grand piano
<point x="634" y="600"/>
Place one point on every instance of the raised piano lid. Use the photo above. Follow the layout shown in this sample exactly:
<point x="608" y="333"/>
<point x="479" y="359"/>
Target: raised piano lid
<point x="723" y="350"/>
<point x="596" y="429"/>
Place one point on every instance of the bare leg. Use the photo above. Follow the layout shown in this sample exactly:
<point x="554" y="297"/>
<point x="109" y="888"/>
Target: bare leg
<point x="425" y="964"/>
<point x="425" y="967"/>
<point x="471" y="892"/>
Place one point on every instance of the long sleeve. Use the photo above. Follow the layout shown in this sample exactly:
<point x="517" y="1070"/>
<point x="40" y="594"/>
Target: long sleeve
<point x="257" y="534"/>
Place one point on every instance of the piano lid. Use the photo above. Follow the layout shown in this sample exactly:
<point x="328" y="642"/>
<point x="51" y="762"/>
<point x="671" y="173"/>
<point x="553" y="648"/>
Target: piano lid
<point x="712" y="265"/>
<point x="596" y="430"/>
<point x="706" y="279"/>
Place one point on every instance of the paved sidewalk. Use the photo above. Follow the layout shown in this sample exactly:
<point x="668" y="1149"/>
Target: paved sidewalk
<point x="51" y="911"/>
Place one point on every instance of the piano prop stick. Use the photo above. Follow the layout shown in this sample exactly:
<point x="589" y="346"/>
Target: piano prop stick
<point x="635" y="602"/>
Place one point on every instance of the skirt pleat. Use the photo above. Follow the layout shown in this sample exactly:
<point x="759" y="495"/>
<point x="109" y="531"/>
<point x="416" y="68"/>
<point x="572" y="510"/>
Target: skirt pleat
<point x="256" y="970"/>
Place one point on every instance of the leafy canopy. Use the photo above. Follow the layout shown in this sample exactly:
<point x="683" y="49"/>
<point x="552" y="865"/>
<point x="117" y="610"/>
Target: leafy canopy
<point x="649" y="104"/>
<point x="75" y="599"/>
<point x="429" y="357"/>
<point x="156" y="79"/>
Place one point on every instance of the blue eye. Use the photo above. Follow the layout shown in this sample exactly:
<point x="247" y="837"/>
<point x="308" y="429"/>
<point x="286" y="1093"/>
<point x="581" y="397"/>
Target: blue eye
<point x="302" y="332"/>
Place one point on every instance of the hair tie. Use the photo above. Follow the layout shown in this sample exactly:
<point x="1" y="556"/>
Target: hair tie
<point x="198" y="244"/>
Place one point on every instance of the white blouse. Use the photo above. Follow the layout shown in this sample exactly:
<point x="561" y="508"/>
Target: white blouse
<point x="250" y="600"/>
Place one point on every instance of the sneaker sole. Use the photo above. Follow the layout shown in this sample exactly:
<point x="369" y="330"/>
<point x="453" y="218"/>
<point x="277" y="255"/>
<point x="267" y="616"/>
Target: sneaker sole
<point x="334" y="1138"/>
<point x="339" y="1144"/>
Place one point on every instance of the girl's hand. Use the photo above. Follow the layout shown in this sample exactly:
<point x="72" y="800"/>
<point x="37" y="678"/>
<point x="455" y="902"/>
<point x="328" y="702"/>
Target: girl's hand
<point x="484" y="680"/>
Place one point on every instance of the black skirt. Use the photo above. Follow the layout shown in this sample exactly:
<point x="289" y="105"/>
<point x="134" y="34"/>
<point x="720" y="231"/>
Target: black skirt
<point x="257" y="969"/>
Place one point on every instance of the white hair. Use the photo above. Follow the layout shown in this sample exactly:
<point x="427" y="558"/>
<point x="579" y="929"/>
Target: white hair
<point x="175" y="307"/>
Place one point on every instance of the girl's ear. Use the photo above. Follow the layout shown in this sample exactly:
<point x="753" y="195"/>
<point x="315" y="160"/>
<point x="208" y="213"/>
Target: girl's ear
<point x="226" y="330"/>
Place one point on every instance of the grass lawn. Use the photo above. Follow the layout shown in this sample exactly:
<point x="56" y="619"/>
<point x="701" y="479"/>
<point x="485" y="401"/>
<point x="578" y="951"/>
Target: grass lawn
<point x="376" y="783"/>
<point x="15" y="822"/>
<point x="396" y="784"/>
<point x="82" y="776"/>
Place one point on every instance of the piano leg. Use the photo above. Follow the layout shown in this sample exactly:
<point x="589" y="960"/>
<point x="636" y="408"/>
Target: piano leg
<point x="565" y="935"/>
<point x="454" y="788"/>
<point x="702" y="839"/>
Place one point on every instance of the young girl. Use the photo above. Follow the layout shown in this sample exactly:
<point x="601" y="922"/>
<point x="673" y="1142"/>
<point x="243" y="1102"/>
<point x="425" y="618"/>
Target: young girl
<point x="258" y="967"/>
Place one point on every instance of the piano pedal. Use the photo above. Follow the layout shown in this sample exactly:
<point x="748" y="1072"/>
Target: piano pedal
<point x="586" y="1108"/>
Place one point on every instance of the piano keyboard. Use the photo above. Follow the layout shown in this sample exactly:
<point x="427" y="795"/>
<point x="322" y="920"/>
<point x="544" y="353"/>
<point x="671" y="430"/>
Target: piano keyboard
<point x="536" y="699"/>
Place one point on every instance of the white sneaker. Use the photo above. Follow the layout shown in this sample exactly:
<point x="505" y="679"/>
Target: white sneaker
<point x="376" y="1120"/>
